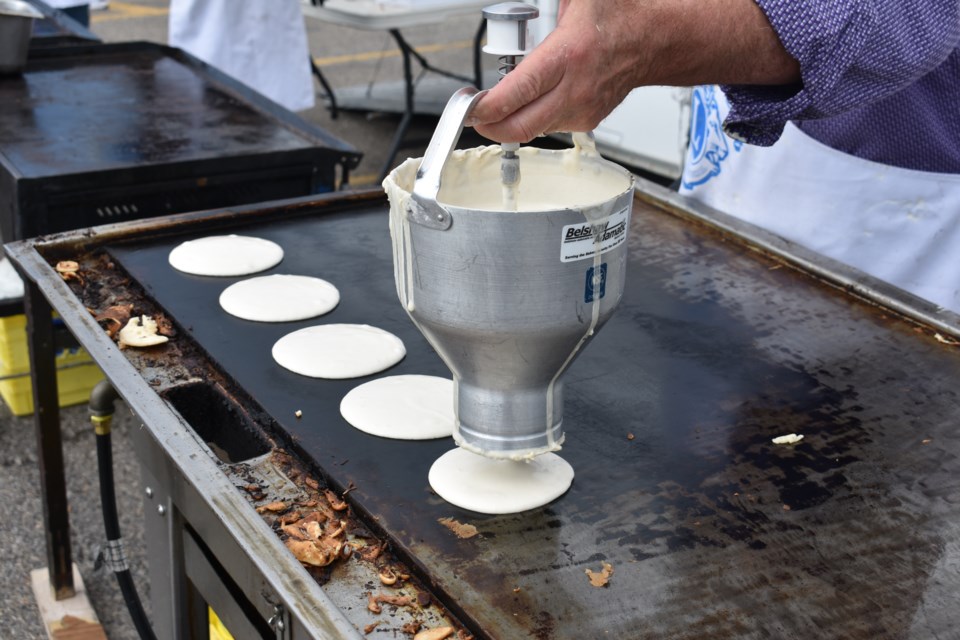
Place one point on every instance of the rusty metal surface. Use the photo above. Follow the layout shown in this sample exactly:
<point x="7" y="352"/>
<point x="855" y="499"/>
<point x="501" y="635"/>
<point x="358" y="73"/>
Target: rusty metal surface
<point x="712" y="530"/>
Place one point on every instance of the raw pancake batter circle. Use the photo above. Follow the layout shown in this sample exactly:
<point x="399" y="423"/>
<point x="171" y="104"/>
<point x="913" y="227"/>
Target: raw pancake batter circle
<point x="408" y="407"/>
<point x="338" y="351"/>
<point x="279" y="298"/>
<point x="231" y="255"/>
<point x="485" y="485"/>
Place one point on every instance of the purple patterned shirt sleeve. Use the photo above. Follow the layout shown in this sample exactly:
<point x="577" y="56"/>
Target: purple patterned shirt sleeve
<point x="852" y="53"/>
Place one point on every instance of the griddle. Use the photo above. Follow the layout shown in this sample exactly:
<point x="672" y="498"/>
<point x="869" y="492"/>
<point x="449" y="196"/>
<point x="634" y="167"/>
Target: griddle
<point x="712" y="530"/>
<point x="98" y="133"/>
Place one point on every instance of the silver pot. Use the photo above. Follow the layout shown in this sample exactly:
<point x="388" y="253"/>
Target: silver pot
<point x="508" y="299"/>
<point x="16" y="27"/>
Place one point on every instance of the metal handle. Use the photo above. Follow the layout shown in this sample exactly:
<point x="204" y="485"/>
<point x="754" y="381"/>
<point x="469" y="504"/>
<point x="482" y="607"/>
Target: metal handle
<point x="424" y="208"/>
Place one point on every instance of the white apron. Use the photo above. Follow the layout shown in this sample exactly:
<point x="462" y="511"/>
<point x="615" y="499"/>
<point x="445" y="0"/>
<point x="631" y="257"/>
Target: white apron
<point x="262" y="43"/>
<point x="898" y="225"/>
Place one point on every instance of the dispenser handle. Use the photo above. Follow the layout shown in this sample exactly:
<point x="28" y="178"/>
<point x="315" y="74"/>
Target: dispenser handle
<point x="424" y="208"/>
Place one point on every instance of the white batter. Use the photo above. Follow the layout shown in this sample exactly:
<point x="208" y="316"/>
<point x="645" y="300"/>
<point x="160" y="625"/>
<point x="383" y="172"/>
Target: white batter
<point x="408" y="407"/>
<point x="279" y="298"/>
<point x="338" y="351"/>
<point x="551" y="180"/>
<point x="485" y="485"/>
<point x="231" y="255"/>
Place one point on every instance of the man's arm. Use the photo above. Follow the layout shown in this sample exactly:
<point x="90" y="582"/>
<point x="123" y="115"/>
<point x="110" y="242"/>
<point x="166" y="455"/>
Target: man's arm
<point x="851" y="52"/>
<point x="779" y="60"/>
<point x="601" y="49"/>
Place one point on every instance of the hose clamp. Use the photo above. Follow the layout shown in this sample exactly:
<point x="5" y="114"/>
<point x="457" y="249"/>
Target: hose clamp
<point x="114" y="557"/>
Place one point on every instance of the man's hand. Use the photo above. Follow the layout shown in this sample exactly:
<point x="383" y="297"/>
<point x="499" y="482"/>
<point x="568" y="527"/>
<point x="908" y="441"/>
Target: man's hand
<point x="601" y="49"/>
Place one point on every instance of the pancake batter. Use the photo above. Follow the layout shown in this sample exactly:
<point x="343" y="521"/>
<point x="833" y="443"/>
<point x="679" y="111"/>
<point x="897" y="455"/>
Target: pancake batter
<point x="279" y="298"/>
<point x="408" y="407"/>
<point x="231" y="255"/>
<point x="338" y="351"/>
<point x="485" y="485"/>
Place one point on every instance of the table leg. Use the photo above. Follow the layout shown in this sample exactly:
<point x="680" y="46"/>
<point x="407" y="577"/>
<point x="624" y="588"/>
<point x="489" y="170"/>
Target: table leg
<point x="424" y="63"/>
<point x="477" y="48"/>
<point x="46" y="416"/>
<point x="407" y="52"/>
<point x="334" y="111"/>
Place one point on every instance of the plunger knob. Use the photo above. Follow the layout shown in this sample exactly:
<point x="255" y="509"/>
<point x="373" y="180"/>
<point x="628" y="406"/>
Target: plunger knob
<point x="508" y="35"/>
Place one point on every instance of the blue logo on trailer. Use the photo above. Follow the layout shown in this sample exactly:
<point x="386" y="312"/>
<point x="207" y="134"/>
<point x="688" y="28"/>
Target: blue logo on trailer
<point x="709" y="145"/>
<point x="596" y="284"/>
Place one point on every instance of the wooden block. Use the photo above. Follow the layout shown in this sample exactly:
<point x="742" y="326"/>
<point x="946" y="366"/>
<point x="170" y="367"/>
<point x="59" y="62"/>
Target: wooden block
<point x="71" y="628"/>
<point x="69" y="619"/>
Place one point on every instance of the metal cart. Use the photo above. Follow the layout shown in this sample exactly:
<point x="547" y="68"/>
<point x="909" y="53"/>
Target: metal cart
<point x="726" y="338"/>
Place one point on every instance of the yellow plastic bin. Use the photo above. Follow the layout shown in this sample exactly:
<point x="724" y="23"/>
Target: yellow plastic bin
<point x="76" y="372"/>
<point x="217" y="630"/>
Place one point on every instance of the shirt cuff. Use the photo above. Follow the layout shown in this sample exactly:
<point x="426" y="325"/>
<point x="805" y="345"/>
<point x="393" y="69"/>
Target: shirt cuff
<point x="824" y="36"/>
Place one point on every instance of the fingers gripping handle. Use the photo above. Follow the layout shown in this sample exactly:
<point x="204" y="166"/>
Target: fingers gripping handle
<point x="424" y="208"/>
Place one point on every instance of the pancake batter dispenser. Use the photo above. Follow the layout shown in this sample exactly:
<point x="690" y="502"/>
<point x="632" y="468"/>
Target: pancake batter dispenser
<point x="508" y="280"/>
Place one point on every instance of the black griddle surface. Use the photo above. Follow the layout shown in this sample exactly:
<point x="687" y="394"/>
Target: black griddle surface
<point x="107" y="107"/>
<point x="713" y="531"/>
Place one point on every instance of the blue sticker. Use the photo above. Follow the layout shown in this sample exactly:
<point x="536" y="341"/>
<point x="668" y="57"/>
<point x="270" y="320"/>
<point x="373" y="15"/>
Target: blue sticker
<point x="595" y="282"/>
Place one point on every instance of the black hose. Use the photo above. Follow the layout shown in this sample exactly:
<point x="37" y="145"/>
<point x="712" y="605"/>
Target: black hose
<point x="101" y="409"/>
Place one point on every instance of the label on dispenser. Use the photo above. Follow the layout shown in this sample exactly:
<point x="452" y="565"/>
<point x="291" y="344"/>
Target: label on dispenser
<point x="596" y="284"/>
<point x="577" y="240"/>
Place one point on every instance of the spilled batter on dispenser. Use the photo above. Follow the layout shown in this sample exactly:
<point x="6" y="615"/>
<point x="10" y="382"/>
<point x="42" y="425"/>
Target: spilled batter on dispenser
<point x="486" y="485"/>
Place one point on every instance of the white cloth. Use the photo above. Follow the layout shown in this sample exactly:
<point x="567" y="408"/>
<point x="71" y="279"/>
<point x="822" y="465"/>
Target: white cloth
<point x="262" y="43"/>
<point x="898" y="225"/>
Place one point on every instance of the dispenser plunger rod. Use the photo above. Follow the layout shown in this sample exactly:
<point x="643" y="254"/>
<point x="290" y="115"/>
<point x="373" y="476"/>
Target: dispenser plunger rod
<point x="508" y="37"/>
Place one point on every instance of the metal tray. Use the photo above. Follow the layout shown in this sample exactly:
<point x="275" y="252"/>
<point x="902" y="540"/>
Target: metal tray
<point x="724" y="340"/>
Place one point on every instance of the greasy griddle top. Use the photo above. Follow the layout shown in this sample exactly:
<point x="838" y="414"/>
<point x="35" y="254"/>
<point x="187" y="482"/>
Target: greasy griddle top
<point x="119" y="106"/>
<point x="713" y="531"/>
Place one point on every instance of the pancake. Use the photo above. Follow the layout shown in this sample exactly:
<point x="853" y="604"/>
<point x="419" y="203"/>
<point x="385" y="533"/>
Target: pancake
<point x="407" y="407"/>
<point x="496" y="486"/>
<point x="279" y="298"/>
<point x="231" y="255"/>
<point x="338" y="351"/>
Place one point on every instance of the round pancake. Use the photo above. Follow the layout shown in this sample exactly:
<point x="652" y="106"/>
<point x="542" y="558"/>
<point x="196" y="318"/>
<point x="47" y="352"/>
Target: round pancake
<point x="231" y="255"/>
<point x="338" y="351"/>
<point x="407" y="407"/>
<point x="494" y="486"/>
<point x="279" y="298"/>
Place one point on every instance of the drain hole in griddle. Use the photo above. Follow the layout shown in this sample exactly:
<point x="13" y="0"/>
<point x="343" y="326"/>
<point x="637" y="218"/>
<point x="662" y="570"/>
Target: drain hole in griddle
<point x="226" y="429"/>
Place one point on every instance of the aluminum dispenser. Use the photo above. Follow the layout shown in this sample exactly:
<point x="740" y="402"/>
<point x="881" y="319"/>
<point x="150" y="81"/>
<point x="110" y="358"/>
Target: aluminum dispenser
<point x="508" y="293"/>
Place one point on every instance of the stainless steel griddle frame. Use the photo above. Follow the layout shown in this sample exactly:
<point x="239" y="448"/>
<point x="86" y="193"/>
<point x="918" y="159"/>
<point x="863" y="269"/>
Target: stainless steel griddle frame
<point x="189" y="497"/>
<point x="193" y="502"/>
